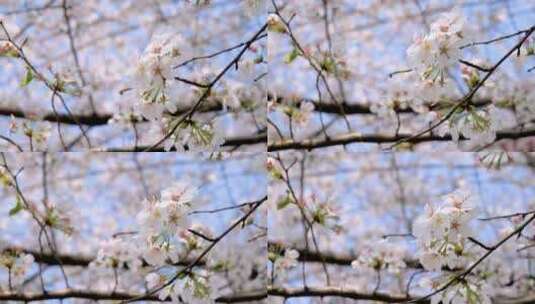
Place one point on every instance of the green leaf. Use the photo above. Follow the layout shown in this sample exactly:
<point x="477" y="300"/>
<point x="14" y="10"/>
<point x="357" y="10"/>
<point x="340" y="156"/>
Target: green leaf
<point x="28" y="77"/>
<point x="18" y="207"/>
<point x="291" y="56"/>
<point x="284" y="202"/>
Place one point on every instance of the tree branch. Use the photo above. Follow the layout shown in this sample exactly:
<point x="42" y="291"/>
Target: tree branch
<point x="336" y="292"/>
<point x="230" y="142"/>
<point x="99" y="295"/>
<point x="310" y="144"/>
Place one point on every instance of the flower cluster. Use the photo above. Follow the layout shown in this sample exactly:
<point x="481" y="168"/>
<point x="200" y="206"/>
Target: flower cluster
<point x="17" y="265"/>
<point x="283" y="259"/>
<point x="443" y="230"/>
<point x="431" y="55"/>
<point x="287" y="261"/>
<point x="196" y="136"/>
<point x="381" y="255"/>
<point x="299" y="112"/>
<point x="158" y="103"/>
<point x="7" y="49"/>
<point x="275" y="24"/>
<point x="302" y="116"/>
<point x="162" y="221"/>
<point x="194" y="288"/>
<point x="125" y="118"/>
<point x="476" y="292"/>
<point x="155" y="67"/>
<point x="37" y="133"/>
<point x="420" y="96"/>
<point x="479" y="125"/>
<point x="162" y="241"/>
<point x="163" y="235"/>
<point x="117" y="253"/>
<point x="493" y="159"/>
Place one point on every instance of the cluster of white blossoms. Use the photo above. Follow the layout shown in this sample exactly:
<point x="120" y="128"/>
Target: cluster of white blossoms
<point x="37" y="133"/>
<point x="196" y="136"/>
<point x="282" y="263"/>
<point x="289" y="260"/>
<point x="275" y="24"/>
<point x="473" y="292"/>
<point x="162" y="222"/>
<point x="380" y="255"/>
<point x="442" y="232"/>
<point x="431" y="55"/>
<point x="194" y="288"/>
<point x="478" y="125"/>
<point x="302" y="115"/>
<point x="153" y="75"/>
<point x="162" y="241"/>
<point x="17" y="265"/>
<point x="299" y="112"/>
<point x="419" y="96"/>
<point x="494" y="159"/>
<point x="236" y="95"/>
<point x="117" y="253"/>
<point x="155" y="67"/>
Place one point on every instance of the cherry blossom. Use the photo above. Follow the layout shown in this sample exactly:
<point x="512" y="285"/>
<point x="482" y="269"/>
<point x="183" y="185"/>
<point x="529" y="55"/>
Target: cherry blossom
<point x="379" y="255"/>
<point x="283" y="263"/>
<point x="117" y="253"/>
<point x="478" y="125"/>
<point x="466" y="292"/>
<point x="443" y="230"/>
<point x="155" y="67"/>
<point x="435" y="52"/>
<point x="162" y="221"/>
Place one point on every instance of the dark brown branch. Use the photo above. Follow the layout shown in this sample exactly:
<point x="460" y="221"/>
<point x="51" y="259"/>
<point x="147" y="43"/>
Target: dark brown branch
<point x="507" y="216"/>
<point x="495" y="39"/>
<point x="79" y="260"/>
<point x="94" y="120"/>
<point x="230" y="142"/>
<point x="354" y="108"/>
<point x="335" y="259"/>
<point x="475" y="66"/>
<point x="320" y="292"/>
<point x="90" y="120"/>
<point x="336" y="292"/>
<point x="379" y="139"/>
<point x="98" y="295"/>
